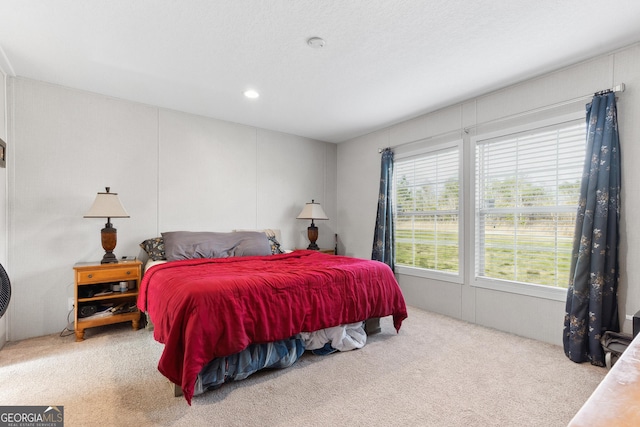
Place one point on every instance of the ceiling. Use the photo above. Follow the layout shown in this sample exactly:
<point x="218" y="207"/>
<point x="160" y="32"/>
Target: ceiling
<point x="384" y="61"/>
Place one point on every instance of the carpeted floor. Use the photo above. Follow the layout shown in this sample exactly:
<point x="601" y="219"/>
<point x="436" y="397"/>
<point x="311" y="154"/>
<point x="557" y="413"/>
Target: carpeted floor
<point x="437" y="371"/>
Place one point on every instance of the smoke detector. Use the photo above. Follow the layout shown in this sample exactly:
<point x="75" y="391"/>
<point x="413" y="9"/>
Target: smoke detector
<point x="316" y="42"/>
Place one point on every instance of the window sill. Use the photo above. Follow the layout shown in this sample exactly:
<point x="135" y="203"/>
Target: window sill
<point x="528" y="289"/>
<point x="429" y="274"/>
<point x="538" y="291"/>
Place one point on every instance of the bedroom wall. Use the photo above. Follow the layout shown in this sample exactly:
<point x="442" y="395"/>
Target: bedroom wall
<point x="172" y="170"/>
<point x="3" y="197"/>
<point x="538" y="318"/>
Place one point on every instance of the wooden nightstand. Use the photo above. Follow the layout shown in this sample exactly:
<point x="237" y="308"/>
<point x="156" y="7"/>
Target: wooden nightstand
<point x="323" y="250"/>
<point x="328" y="251"/>
<point x="94" y="293"/>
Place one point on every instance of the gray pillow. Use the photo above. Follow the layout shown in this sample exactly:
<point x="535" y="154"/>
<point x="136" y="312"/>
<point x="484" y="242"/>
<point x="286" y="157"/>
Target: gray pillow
<point x="207" y="244"/>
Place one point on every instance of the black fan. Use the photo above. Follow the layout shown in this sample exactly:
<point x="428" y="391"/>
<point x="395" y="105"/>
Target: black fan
<point x="5" y="291"/>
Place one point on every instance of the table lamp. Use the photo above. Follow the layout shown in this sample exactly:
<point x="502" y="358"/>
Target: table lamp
<point x="107" y="205"/>
<point x="312" y="211"/>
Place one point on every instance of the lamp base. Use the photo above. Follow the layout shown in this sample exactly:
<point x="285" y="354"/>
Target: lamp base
<point x="109" y="258"/>
<point x="109" y="238"/>
<point x="312" y="233"/>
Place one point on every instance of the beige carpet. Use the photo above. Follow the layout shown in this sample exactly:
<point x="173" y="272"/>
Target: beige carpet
<point x="437" y="371"/>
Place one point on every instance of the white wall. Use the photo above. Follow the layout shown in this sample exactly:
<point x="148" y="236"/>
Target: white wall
<point x="538" y="318"/>
<point x="173" y="171"/>
<point x="3" y="198"/>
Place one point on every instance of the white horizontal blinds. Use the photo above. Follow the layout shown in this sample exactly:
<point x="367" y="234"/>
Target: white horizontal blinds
<point x="427" y="210"/>
<point x="527" y="189"/>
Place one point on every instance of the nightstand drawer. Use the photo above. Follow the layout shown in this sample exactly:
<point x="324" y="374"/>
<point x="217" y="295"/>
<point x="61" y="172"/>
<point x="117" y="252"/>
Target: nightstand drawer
<point x="110" y="275"/>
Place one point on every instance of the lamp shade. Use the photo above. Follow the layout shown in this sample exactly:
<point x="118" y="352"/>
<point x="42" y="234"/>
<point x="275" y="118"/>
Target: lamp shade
<point x="107" y="205"/>
<point x="312" y="211"/>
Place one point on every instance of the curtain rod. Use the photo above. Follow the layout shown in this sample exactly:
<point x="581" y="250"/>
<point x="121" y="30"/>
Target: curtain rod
<point x="617" y="88"/>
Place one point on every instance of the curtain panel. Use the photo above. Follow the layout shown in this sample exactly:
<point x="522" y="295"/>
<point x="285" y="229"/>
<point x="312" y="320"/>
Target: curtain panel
<point x="592" y="307"/>
<point x="383" y="237"/>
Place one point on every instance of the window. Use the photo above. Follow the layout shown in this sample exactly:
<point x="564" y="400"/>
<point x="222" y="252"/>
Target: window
<point x="427" y="218"/>
<point x="526" y="193"/>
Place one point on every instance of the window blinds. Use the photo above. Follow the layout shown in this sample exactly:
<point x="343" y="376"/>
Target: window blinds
<point x="427" y="210"/>
<point x="527" y="188"/>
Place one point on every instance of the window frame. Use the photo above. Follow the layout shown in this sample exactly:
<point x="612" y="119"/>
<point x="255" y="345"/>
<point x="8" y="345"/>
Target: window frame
<point x="511" y="286"/>
<point x="426" y="148"/>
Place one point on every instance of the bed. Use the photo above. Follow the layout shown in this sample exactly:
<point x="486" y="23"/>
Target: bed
<point x="232" y="297"/>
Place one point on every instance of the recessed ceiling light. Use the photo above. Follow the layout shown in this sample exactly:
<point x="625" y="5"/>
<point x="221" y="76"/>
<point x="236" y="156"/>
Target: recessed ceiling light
<point x="251" y="94"/>
<point x="316" y="42"/>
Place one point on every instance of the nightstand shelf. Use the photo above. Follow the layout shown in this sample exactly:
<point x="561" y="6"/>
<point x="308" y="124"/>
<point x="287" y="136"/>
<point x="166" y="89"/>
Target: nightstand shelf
<point x="109" y="296"/>
<point x="113" y="307"/>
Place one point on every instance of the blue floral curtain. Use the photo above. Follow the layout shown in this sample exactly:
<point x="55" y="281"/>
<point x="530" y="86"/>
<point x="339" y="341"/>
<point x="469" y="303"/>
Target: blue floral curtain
<point x="383" y="239"/>
<point x="592" y="306"/>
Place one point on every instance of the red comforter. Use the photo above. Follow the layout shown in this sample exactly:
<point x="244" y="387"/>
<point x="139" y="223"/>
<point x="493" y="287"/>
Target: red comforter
<point x="207" y="308"/>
